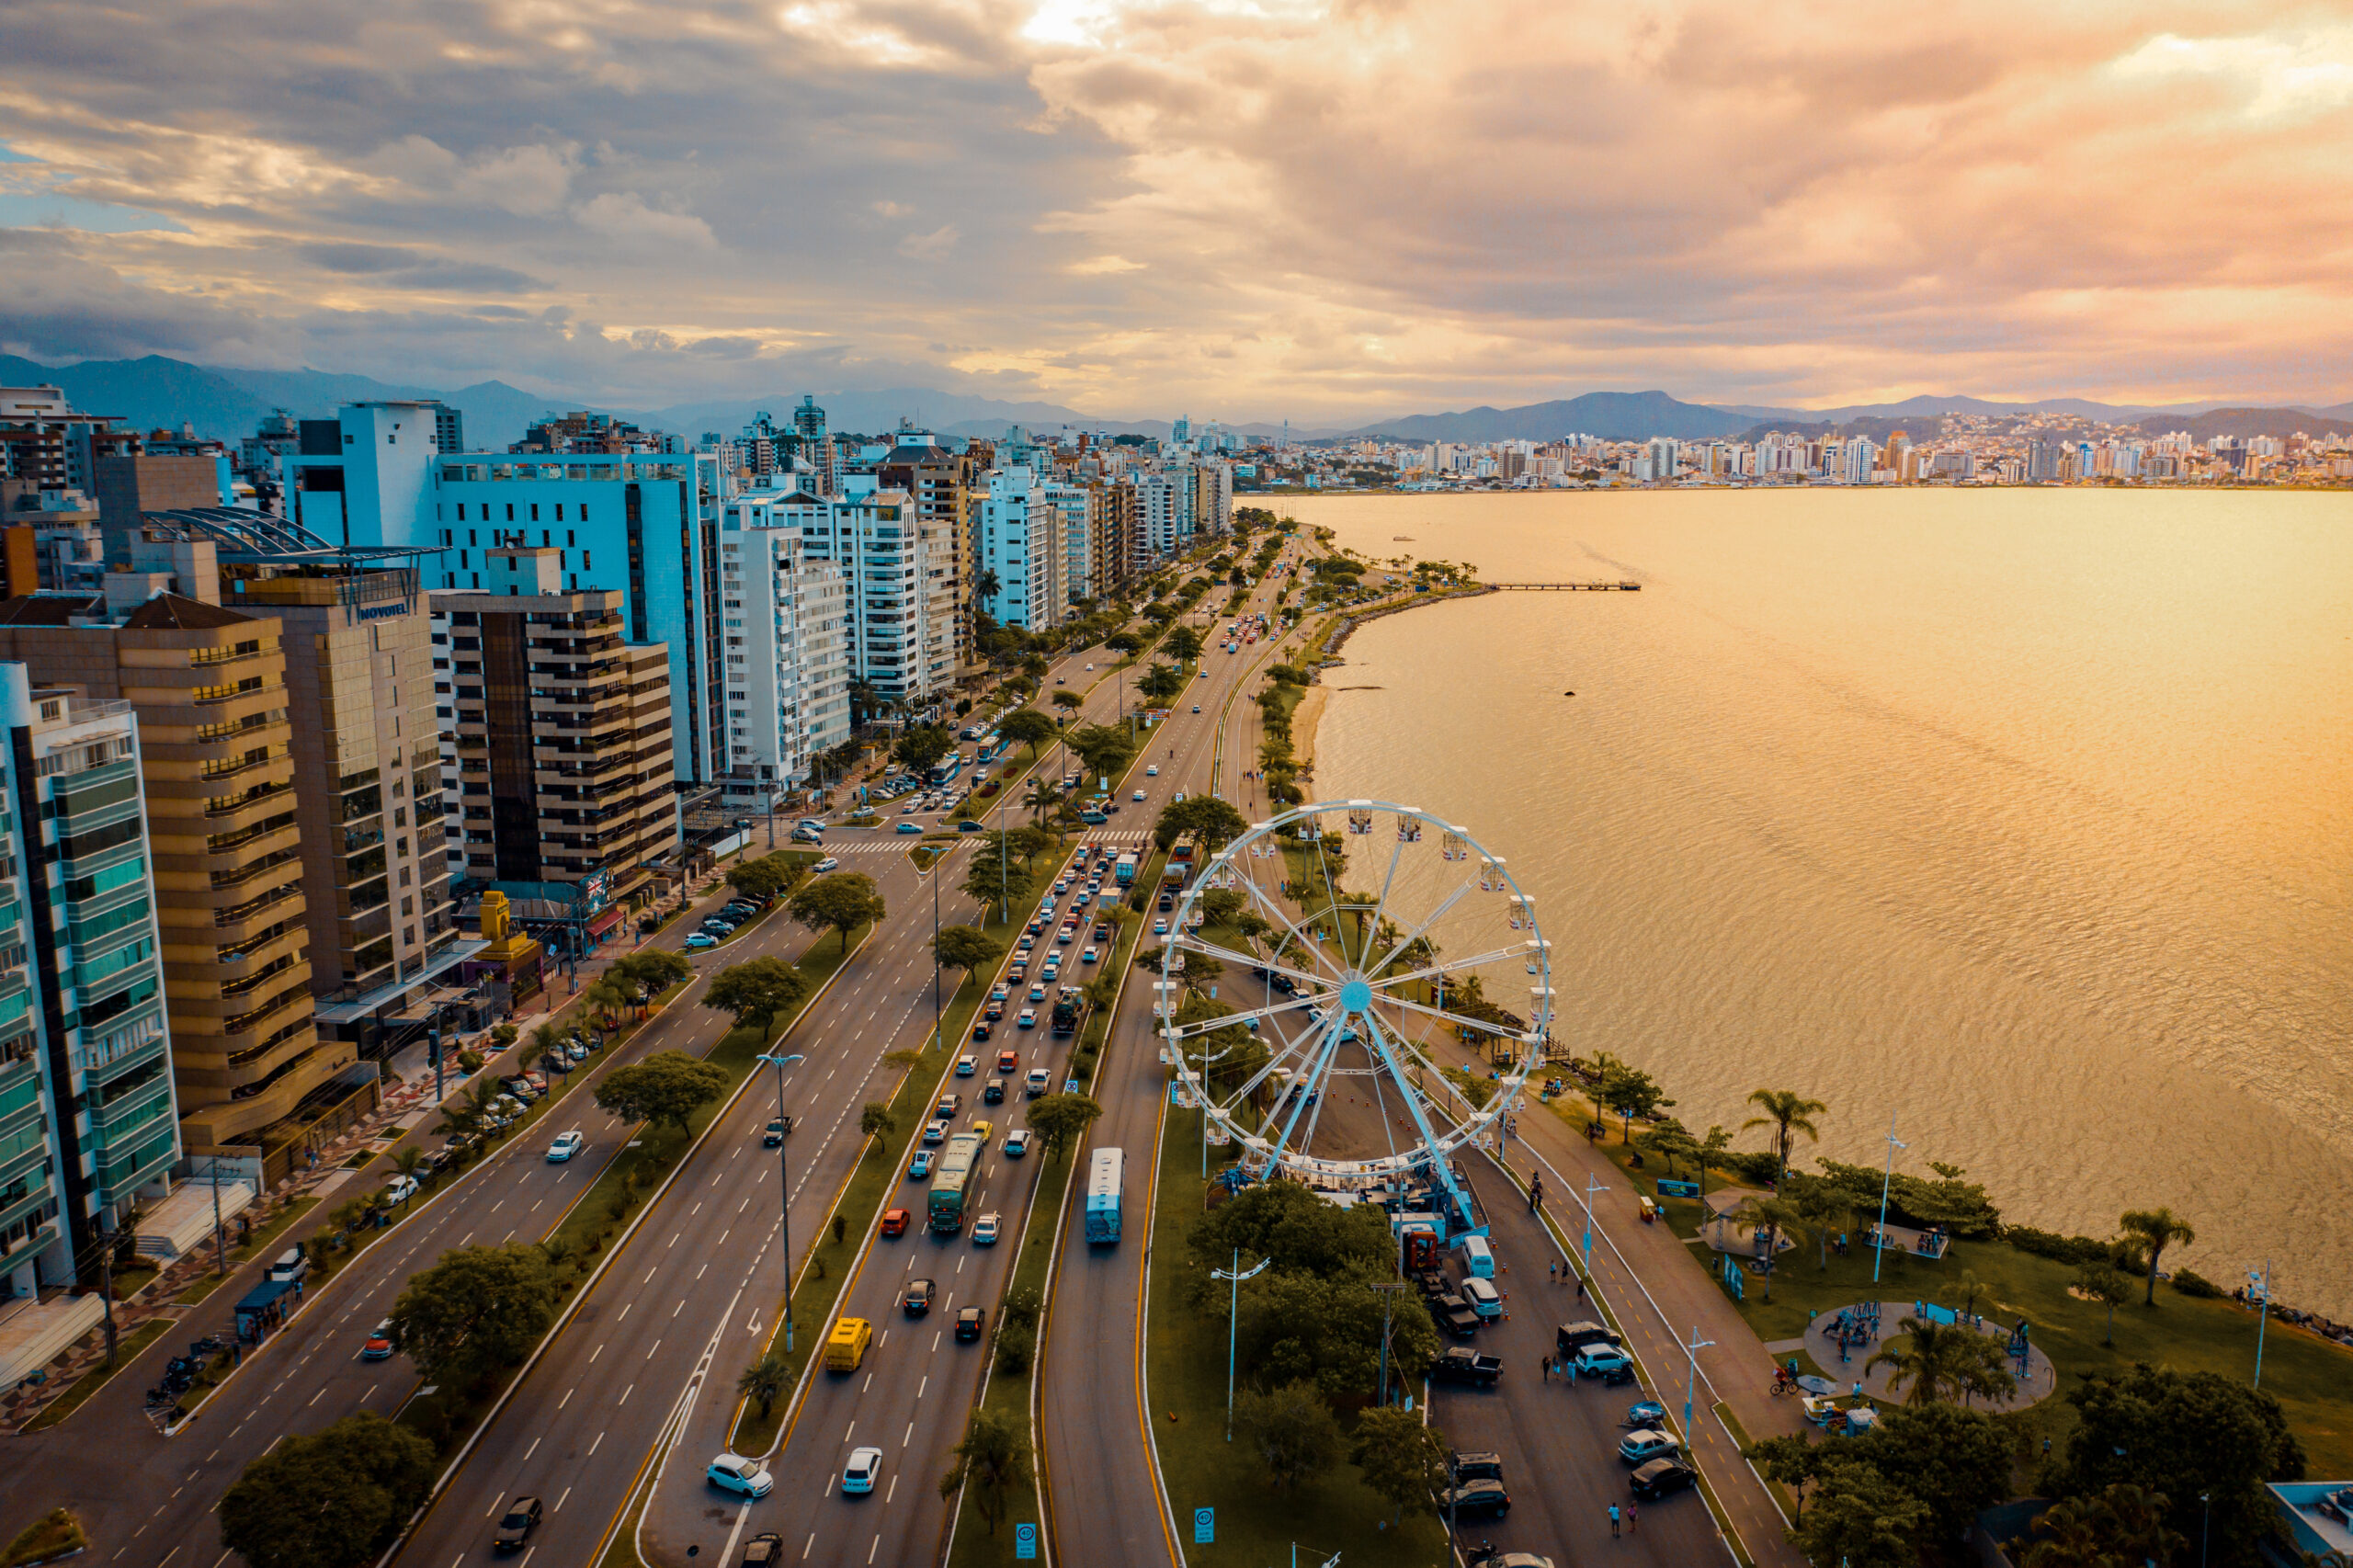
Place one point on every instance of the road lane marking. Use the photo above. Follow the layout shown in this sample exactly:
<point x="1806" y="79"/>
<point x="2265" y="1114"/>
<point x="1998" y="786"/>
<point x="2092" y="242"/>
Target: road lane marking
<point x="593" y="1447"/>
<point x="910" y="1434"/>
<point x="559" y="1502"/>
<point x="567" y="1396"/>
<point x="624" y="1398"/>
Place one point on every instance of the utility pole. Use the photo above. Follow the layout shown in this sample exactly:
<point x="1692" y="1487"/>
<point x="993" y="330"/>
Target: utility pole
<point x="1591" y="1187"/>
<point x="2263" y="1281"/>
<point x="784" y="1205"/>
<point x="1234" y="1276"/>
<point x="1691" y="1378"/>
<point x="1879" y="1239"/>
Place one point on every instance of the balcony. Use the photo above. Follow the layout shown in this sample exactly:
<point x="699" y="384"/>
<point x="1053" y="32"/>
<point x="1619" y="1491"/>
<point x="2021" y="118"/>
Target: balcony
<point x="119" y="1119"/>
<point x="241" y="921"/>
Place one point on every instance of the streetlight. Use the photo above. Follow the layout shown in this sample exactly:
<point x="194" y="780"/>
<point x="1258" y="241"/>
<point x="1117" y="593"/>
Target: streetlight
<point x="2262" y="1280"/>
<point x="1878" y="1237"/>
<point x="784" y="1209"/>
<point x="1691" y="1377"/>
<point x="1235" y="1275"/>
<point x="1591" y="1187"/>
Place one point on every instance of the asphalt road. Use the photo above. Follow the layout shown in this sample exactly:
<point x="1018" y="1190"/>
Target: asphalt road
<point x="145" y="1497"/>
<point x="1101" y="1483"/>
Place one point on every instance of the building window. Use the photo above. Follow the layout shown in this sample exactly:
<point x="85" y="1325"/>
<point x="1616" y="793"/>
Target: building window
<point x="535" y="511"/>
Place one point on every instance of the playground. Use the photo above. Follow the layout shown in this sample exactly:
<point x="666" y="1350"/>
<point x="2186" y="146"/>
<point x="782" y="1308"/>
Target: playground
<point x="1841" y="1342"/>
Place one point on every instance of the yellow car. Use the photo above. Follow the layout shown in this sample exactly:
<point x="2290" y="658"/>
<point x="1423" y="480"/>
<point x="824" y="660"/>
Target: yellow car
<point x="983" y="1129"/>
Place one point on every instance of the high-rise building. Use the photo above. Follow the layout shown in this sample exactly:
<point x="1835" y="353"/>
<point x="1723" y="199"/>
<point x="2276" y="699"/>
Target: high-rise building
<point x="88" y="1119"/>
<point x="944" y="485"/>
<point x="898" y="640"/>
<point x="560" y="734"/>
<point x="1078" y="507"/>
<point x="786" y="630"/>
<point x="1021" y="551"/>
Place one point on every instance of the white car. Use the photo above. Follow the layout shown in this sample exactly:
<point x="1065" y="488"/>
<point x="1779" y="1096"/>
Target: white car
<point x="865" y="1467"/>
<point x="1152" y="770"/>
<point x="984" y="1231"/>
<point x="830" y="863"/>
<point x="402" y="1189"/>
<point x="935" y="1133"/>
<point x="566" y="1144"/>
<point x="1160" y="926"/>
<point x="1137" y="796"/>
<point x="733" y="1472"/>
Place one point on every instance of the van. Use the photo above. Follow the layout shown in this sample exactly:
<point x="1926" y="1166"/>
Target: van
<point x="1571" y="1337"/>
<point x="1485" y="1299"/>
<point x="846" y="1347"/>
<point x="1478" y="1259"/>
<point x="292" y="1264"/>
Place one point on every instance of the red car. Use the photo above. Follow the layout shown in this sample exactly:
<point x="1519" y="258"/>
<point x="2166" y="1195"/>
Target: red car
<point x="894" y="1222"/>
<point x="1006" y="1061"/>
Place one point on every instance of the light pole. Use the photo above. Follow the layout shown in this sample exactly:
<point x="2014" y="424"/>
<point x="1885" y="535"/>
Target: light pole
<point x="2262" y="1280"/>
<point x="1388" y="1299"/>
<point x="784" y="1183"/>
<point x="1878" y="1237"/>
<point x="1691" y="1377"/>
<point x="1591" y="1187"/>
<point x="1234" y="1276"/>
<point x="2205" y="1524"/>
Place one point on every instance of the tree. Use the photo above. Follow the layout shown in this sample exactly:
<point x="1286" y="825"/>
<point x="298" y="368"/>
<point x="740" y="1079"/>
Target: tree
<point x="967" y="948"/>
<point x="652" y="970"/>
<point x="2105" y="1282"/>
<point x="920" y="745"/>
<point x="1060" y="1121"/>
<point x="1068" y="699"/>
<point x="991" y="875"/>
<point x="1029" y="728"/>
<point x="665" y="1089"/>
<point x="1714" y="1143"/>
<point x="1103" y="749"/>
<point x="1183" y="644"/>
<point x="1772" y="1217"/>
<point x="756" y="991"/>
<point x="1862" y="1519"/>
<point x="332" y="1499"/>
<point x="875" y="1121"/>
<point x="1787" y="1112"/>
<point x="1041" y="797"/>
<point x="763" y="878"/>
<point x="1035" y="666"/>
<point x="1934" y="1357"/>
<point x="1957" y="1462"/>
<point x="764" y="1380"/>
<point x="2122" y="1524"/>
<point x="409" y="1161"/>
<point x="477" y="1310"/>
<point x="1211" y="821"/>
<point x="2155" y="1230"/>
<point x="1124" y="643"/>
<point x="2182" y="1433"/>
<point x="1294" y="1431"/>
<point x="1403" y="1460"/>
<point x="1631" y="1092"/>
<point x="842" y="901"/>
<point x="988" y="584"/>
<point x="1161" y="683"/>
<point x="1825" y="1208"/>
<point x="994" y="1460"/>
<point x="1221" y="905"/>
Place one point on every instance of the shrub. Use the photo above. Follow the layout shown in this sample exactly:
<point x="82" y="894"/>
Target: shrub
<point x="2191" y="1283"/>
<point x="2050" y="1244"/>
<point x="1015" y="1344"/>
<point x="470" y="1060"/>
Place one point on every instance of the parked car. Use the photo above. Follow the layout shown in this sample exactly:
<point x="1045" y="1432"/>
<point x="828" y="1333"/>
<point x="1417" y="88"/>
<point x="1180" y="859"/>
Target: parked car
<point x="698" y="940"/>
<point x="1662" y="1477"/>
<point x="1641" y="1448"/>
<point x="1475" y="1499"/>
<point x="1475" y="1465"/>
<point x="733" y="1472"/>
<point x="1601" y="1361"/>
<point x="1461" y="1364"/>
<point x="400" y="1189"/>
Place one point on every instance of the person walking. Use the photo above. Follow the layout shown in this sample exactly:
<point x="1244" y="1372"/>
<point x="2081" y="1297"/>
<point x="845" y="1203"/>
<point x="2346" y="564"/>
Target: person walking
<point x="1633" y="1518"/>
<point x="1613" y="1521"/>
<point x="1580" y="1287"/>
<point x="1548" y="1369"/>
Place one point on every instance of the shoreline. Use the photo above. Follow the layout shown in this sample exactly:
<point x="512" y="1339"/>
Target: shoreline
<point x="1310" y="712"/>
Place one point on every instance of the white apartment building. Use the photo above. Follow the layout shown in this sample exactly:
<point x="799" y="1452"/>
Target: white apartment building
<point x="784" y="621"/>
<point x="1080" y="508"/>
<point x="1020" y="539"/>
<point x="899" y="574"/>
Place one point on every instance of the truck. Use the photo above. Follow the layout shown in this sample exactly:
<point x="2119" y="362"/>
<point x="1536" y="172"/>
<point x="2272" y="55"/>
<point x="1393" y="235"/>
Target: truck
<point x="1183" y="858"/>
<point x="950" y="1177"/>
<point x="1125" y="872"/>
<point x="846" y="1346"/>
<point x="1070" y="1011"/>
<point x="1461" y="1364"/>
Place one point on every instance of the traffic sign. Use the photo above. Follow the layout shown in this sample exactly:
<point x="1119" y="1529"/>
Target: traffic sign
<point x="1025" y="1541"/>
<point x="1204" y="1526"/>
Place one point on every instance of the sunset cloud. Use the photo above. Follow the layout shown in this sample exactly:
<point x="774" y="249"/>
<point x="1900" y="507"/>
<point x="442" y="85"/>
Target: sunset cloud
<point x="1254" y="209"/>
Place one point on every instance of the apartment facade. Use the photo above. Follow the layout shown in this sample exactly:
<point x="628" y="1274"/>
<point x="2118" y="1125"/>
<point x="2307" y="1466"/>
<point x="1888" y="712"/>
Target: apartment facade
<point x="900" y="639"/>
<point x="785" y="621"/>
<point x="1019" y="537"/>
<point x="942" y="485"/>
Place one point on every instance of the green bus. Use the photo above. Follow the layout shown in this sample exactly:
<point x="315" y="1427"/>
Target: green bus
<point x="950" y="1177"/>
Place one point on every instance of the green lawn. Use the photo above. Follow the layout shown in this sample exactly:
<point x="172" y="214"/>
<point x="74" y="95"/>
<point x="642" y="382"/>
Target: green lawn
<point x="1257" y="1524"/>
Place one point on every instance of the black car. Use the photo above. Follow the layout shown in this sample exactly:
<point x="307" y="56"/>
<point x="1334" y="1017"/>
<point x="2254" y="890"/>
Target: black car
<point x="918" y="1297"/>
<point x="981" y="1031"/>
<point x="1476" y="1466"/>
<point x="994" y="1094"/>
<point x="522" y="1519"/>
<point x="1660" y="1477"/>
<point x="764" y="1550"/>
<point x="1508" y="1559"/>
<point x="774" y="1135"/>
<point x="969" y="1323"/>
<point x="1473" y="1498"/>
<point x="1454" y="1315"/>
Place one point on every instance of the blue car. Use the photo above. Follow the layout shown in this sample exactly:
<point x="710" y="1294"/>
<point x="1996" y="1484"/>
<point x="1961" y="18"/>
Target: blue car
<point x="909" y="828"/>
<point x="920" y="1167"/>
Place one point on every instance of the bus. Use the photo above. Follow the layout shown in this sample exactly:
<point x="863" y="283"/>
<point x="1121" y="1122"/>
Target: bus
<point x="948" y="1179"/>
<point x="1104" y="1172"/>
<point x="946" y="768"/>
<point x="991" y="744"/>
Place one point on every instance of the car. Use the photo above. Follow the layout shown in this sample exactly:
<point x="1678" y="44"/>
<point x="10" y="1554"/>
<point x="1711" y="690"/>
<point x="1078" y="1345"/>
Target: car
<point x="1475" y="1499"/>
<point x="983" y="1129"/>
<point x="522" y="1517"/>
<point x="1061" y="680"/>
<point x="566" y="1144"/>
<point x="1007" y="1061"/>
<point x="967" y="1065"/>
<point x="969" y="1324"/>
<point x="993" y="1013"/>
<point x="1028" y="1020"/>
<point x="971" y="824"/>
<point x="1053" y="968"/>
<point x="1641" y="1448"/>
<point x="1152" y="770"/>
<point x="1016" y="1143"/>
<point x="1475" y="1465"/>
<point x="772" y="1135"/>
<point x="1028" y="940"/>
<point x="920" y="1167"/>
<point x="864" y="1469"/>
<point x="1035" y="1084"/>
<point x="733" y="1472"/>
<point x="916" y="1299"/>
<point x="1038" y="993"/>
<point x="1600" y="1361"/>
<point x="992" y="1092"/>
<point x="935" y="1133"/>
<point x="984" y="1231"/>
<point x="700" y="940"/>
<point x="999" y="992"/>
<point x="1180" y="797"/>
<point x="400" y="1189"/>
<point x="1062" y="937"/>
<point x="1160" y="926"/>
<point x="1137" y="796"/>
<point x="1196" y="707"/>
<point x="766" y="1549"/>
<point x="1082" y="898"/>
<point x="378" y="1345"/>
<point x="910" y="827"/>
<point x="1660" y="1477"/>
<point x="981" y="1029"/>
<point x="894" y="1221"/>
<point x="948" y="1106"/>
<point x="830" y="863"/>
<point x="715" y="927"/>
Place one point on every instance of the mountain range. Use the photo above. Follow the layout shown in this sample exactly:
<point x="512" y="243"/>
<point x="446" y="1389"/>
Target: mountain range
<point x="227" y="403"/>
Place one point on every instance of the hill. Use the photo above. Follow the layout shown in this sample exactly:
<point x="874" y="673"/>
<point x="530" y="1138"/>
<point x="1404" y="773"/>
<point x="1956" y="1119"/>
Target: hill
<point x="2252" y="422"/>
<point x="1614" y="416"/>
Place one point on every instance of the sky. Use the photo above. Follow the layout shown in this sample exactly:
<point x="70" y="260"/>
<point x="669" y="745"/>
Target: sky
<point x="1239" y="209"/>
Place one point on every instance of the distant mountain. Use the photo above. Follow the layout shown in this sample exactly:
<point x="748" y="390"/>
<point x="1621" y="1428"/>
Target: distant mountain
<point x="2252" y="422"/>
<point x="875" y="413"/>
<point x="1879" y="427"/>
<point x="1614" y="416"/>
<point x="149" y="393"/>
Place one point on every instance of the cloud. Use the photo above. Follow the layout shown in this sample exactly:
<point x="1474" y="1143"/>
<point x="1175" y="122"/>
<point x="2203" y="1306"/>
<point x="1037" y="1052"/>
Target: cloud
<point x="623" y="218"/>
<point x="933" y="246"/>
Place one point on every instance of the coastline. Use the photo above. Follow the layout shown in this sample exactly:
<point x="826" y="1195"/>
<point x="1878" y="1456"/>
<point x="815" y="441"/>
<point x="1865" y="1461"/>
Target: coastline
<point x="1310" y="712"/>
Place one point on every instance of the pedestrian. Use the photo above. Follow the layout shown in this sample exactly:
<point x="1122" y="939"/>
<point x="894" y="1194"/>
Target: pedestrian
<point x="1580" y="1287"/>
<point x="1633" y="1518"/>
<point x="1551" y="1271"/>
<point x="1548" y="1369"/>
<point x="1613" y="1521"/>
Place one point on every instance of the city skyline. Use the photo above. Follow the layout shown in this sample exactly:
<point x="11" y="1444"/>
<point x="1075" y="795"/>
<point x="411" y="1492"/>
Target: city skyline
<point x="1260" y="213"/>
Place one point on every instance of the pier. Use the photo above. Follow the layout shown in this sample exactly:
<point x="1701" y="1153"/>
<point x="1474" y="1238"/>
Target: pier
<point x="1568" y="588"/>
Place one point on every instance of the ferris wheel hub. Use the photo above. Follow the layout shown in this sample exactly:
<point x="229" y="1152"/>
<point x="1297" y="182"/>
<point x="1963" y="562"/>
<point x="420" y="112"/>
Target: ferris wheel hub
<point x="1356" y="996"/>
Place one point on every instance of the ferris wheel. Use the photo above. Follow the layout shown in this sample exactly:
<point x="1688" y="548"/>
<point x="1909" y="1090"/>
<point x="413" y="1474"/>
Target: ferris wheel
<point x="1313" y="1040"/>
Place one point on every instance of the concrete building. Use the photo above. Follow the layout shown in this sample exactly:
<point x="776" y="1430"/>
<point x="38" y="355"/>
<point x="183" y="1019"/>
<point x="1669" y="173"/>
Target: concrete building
<point x="786" y="630"/>
<point x="561" y="732"/>
<point x="1021" y="551"/>
<point x="943" y="486"/>
<point x="1079" y="510"/>
<point x="899" y="638"/>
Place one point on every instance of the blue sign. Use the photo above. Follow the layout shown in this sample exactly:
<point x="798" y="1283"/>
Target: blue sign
<point x="1677" y="1188"/>
<point x="1025" y="1541"/>
<point x="1204" y="1526"/>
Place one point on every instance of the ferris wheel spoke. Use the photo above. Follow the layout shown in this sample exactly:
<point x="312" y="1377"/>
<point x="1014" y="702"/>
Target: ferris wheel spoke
<point x="1308" y="1085"/>
<point x="1454" y="966"/>
<point x="1465" y="1020"/>
<point x="1415" y="1105"/>
<point x="1193" y="944"/>
<point x="1285" y="921"/>
<point x="1174" y="1031"/>
<point x="1381" y="904"/>
<point x="1435" y="915"/>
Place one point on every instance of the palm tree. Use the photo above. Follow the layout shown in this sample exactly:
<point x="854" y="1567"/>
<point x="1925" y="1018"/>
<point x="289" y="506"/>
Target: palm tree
<point x="2157" y="1229"/>
<point x="1772" y="1217"/>
<point x="1936" y="1358"/>
<point x="409" y="1161"/>
<point x="1827" y="1208"/>
<point x="1039" y="798"/>
<point x="763" y="1379"/>
<point x="1787" y="1112"/>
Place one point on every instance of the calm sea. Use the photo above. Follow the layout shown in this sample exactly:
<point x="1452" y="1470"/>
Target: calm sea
<point x="2022" y="818"/>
